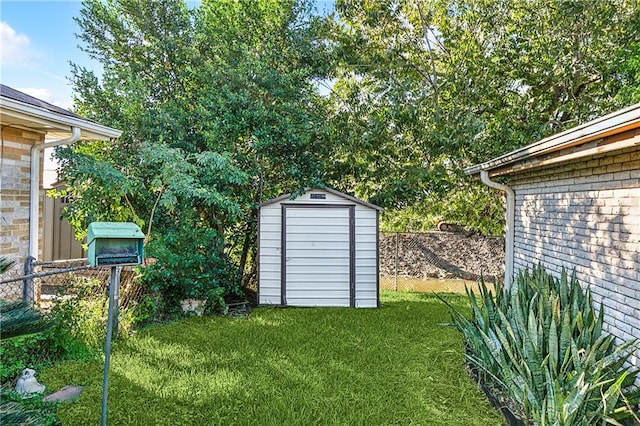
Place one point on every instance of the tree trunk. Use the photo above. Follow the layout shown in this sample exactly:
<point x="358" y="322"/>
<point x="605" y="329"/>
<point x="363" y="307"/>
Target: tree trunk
<point x="248" y="239"/>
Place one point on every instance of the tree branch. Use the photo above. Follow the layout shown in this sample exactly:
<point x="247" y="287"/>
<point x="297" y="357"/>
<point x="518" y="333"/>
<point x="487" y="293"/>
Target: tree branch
<point x="153" y="212"/>
<point x="584" y="85"/>
<point x="432" y="74"/>
<point x="133" y="211"/>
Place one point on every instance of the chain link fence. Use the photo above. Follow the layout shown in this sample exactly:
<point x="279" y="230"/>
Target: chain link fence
<point x="13" y="287"/>
<point x="44" y="283"/>
<point x="74" y="298"/>
<point x="428" y="261"/>
<point x="438" y="261"/>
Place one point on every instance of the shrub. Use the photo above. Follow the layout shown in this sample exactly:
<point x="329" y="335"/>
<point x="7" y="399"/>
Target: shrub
<point x="35" y="350"/>
<point x="540" y="342"/>
<point x="475" y="209"/>
<point x="74" y="329"/>
<point x="25" y="340"/>
<point x="66" y="337"/>
<point x="80" y="313"/>
<point x="191" y="263"/>
<point x="32" y="411"/>
<point x="18" y="319"/>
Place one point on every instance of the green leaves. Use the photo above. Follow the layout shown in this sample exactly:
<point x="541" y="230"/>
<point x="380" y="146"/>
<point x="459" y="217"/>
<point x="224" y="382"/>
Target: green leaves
<point x="6" y="264"/>
<point x="19" y="319"/>
<point x="541" y="342"/>
<point x="218" y="112"/>
<point x="424" y="89"/>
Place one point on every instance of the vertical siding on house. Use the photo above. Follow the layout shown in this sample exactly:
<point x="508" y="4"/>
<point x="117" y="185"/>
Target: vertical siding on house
<point x="586" y="215"/>
<point x="14" y="194"/>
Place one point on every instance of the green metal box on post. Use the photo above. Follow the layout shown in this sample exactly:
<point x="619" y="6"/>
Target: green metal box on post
<point x="115" y="243"/>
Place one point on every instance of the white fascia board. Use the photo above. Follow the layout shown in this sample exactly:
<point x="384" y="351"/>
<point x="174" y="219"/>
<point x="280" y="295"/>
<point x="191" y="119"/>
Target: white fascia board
<point x="55" y="121"/>
<point x="330" y="191"/>
<point x="593" y="129"/>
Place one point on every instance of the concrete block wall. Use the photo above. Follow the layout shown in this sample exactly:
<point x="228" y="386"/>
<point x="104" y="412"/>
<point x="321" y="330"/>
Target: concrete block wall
<point x="14" y="192"/>
<point x="585" y="215"/>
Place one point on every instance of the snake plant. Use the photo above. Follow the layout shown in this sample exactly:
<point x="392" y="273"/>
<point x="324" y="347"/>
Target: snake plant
<point x="6" y="264"/>
<point x="541" y="342"/>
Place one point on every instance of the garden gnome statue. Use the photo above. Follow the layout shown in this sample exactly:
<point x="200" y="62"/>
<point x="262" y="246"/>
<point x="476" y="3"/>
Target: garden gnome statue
<point x="27" y="383"/>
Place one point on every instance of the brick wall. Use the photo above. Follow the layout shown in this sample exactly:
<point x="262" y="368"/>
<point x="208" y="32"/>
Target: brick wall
<point x="586" y="215"/>
<point x="14" y="192"/>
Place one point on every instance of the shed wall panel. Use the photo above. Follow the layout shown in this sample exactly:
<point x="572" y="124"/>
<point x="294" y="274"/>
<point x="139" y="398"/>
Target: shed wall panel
<point x="366" y="257"/>
<point x="321" y="245"/>
<point x="302" y="237"/>
<point x="367" y="303"/>
<point x="269" y="251"/>
<point x="325" y="302"/>
<point x="271" y="243"/>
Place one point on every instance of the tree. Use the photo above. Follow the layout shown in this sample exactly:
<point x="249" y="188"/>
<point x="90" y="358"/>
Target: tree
<point x="426" y="88"/>
<point x="629" y="60"/>
<point x="217" y="110"/>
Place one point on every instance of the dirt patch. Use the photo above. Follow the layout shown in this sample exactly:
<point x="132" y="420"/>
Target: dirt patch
<point x="442" y="255"/>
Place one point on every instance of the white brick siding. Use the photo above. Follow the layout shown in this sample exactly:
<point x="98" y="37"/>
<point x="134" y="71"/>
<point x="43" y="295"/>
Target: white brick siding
<point x="586" y="215"/>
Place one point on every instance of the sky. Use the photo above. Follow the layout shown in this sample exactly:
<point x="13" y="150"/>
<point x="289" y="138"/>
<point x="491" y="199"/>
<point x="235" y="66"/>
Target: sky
<point x="38" y="42"/>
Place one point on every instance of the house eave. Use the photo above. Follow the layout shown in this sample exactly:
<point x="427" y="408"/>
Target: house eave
<point x="617" y="122"/>
<point x="55" y="125"/>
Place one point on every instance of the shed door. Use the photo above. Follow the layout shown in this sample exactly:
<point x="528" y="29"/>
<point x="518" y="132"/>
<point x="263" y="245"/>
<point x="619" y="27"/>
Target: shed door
<point x="317" y="256"/>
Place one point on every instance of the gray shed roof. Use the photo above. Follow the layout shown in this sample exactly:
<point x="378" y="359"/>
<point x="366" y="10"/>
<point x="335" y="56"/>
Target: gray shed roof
<point x="330" y="191"/>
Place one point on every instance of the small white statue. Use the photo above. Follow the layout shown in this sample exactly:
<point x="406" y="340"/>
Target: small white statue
<point x="27" y="383"/>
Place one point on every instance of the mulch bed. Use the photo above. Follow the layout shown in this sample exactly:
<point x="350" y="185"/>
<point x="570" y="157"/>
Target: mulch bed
<point x="507" y="408"/>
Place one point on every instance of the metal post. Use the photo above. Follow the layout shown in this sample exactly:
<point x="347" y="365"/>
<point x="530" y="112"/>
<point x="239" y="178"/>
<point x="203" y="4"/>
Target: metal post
<point x="27" y="286"/>
<point x="114" y="283"/>
<point x="396" y="264"/>
<point x="116" y="306"/>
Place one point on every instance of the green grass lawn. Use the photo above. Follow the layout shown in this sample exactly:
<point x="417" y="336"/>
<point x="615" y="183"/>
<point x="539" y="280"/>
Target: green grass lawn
<point x="293" y="366"/>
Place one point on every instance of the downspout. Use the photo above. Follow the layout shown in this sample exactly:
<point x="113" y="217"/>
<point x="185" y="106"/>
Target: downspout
<point x="510" y="222"/>
<point x="34" y="195"/>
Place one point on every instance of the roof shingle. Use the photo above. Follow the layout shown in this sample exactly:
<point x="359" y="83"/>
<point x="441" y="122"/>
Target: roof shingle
<point x="8" y="92"/>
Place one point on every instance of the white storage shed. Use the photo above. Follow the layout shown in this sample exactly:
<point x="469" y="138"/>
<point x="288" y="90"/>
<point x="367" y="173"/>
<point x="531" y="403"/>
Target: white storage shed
<point x="318" y="249"/>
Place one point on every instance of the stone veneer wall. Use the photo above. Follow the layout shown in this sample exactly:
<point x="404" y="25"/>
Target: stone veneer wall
<point x="586" y="215"/>
<point x="14" y="192"/>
